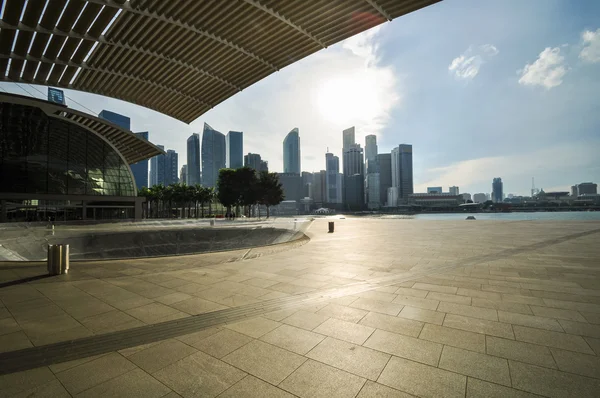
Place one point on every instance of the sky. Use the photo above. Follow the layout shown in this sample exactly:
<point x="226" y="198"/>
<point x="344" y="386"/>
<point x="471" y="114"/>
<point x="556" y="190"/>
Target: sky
<point x="480" y="88"/>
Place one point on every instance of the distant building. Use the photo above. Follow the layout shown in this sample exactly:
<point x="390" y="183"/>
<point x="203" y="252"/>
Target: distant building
<point x="574" y="191"/>
<point x="292" y="186"/>
<point x="453" y="190"/>
<point x="213" y="155"/>
<point x="370" y="151"/>
<point x="193" y="160"/>
<point x="157" y="169"/>
<point x="348" y="138"/>
<point x="384" y="161"/>
<point x="140" y="169"/>
<point x="291" y="152"/>
<point x="333" y="180"/>
<point x="183" y="174"/>
<point x="392" y="197"/>
<point x="354" y="193"/>
<point x="480" y="197"/>
<point x="402" y="171"/>
<point x="466" y="196"/>
<point x="435" y="199"/>
<point x="118" y="119"/>
<point x="587" y="188"/>
<point x="307" y="182"/>
<point x="497" y="190"/>
<point x="488" y="196"/>
<point x="234" y="155"/>
<point x="373" y="189"/>
<point x="171" y="167"/>
<point x="254" y="161"/>
<point x="319" y="187"/>
<point x="434" y="190"/>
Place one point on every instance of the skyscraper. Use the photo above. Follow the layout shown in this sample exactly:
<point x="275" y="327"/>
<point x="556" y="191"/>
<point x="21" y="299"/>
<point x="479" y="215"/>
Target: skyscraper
<point x="384" y="161"/>
<point x="372" y="189"/>
<point x="291" y="152"/>
<point x="254" y="161"/>
<point x="213" y="155"/>
<point x="183" y="174"/>
<point x="157" y="169"/>
<point x="402" y="171"/>
<point x="235" y="149"/>
<point x="348" y="138"/>
<point x="587" y="188"/>
<point x="497" y="190"/>
<point x="193" y="160"/>
<point x="370" y="150"/>
<point x="333" y="179"/>
<point x="171" y="167"/>
<point x="354" y="171"/>
<point x="120" y="120"/>
<point x="453" y="190"/>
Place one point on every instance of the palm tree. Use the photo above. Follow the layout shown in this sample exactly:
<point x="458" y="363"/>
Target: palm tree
<point x="210" y="198"/>
<point x="158" y="196"/>
<point x="145" y="193"/>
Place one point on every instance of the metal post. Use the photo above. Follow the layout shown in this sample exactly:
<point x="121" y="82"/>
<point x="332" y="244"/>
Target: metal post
<point x="331" y="227"/>
<point x="58" y="259"/>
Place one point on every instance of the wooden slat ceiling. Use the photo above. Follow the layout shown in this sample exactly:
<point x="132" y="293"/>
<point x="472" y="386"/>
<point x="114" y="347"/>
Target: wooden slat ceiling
<point x="133" y="148"/>
<point x="178" y="57"/>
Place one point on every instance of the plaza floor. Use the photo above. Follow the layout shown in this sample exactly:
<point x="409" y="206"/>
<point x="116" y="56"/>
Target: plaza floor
<point x="380" y="308"/>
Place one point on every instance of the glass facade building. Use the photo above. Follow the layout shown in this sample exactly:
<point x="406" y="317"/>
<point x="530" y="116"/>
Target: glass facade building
<point x="235" y="150"/>
<point x="213" y="155"/>
<point x="193" y="160"/>
<point x="291" y="152"/>
<point x="45" y="155"/>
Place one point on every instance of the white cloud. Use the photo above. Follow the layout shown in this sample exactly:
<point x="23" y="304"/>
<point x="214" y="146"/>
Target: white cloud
<point x="467" y="65"/>
<point x="591" y="46"/>
<point x="547" y="70"/>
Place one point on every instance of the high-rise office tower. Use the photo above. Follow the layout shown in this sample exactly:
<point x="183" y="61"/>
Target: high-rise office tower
<point x="453" y="190"/>
<point x="497" y="190"/>
<point x="354" y="178"/>
<point x="171" y="167"/>
<point x="333" y="179"/>
<point x="254" y="161"/>
<point x="291" y="152"/>
<point x="348" y="137"/>
<point x="157" y="169"/>
<point x="120" y="120"/>
<point x="479" y="197"/>
<point x="183" y="174"/>
<point x="372" y="190"/>
<point x="140" y="169"/>
<point x="370" y="149"/>
<point x="587" y="188"/>
<point x="435" y="190"/>
<point x="193" y="160"/>
<point x="235" y="150"/>
<point x="384" y="161"/>
<point x="213" y="155"/>
<point x="319" y="187"/>
<point x="402" y="171"/>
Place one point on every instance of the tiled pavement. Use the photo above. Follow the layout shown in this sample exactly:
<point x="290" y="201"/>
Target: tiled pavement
<point x="475" y="309"/>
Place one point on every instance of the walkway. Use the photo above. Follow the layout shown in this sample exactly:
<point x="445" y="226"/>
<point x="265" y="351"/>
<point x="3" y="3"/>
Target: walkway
<point x="388" y="307"/>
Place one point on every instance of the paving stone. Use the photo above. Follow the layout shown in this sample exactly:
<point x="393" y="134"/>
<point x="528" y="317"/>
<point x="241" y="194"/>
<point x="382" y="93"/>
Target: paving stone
<point x="404" y="346"/>
<point x="305" y="320"/>
<point x="453" y="337"/>
<point x="422" y="380"/>
<point x="193" y="338"/>
<point x="265" y="361"/>
<point x="251" y="387"/>
<point x="514" y="298"/>
<point x="90" y="374"/>
<point x="451" y="298"/>
<point x="14" y="341"/>
<point x="160" y="355"/>
<point x="502" y="305"/>
<point x="581" y="364"/>
<point x="8" y="325"/>
<point x="199" y="375"/>
<point x="474" y="364"/>
<point x="254" y="327"/>
<point x="375" y="295"/>
<point x="53" y="389"/>
<point x="467" y="310"/>
<point x="392" y="324"/>
<point x="278" y="316"/>
<point x="152" y="313"/>
<point x="376" y="390"/>
<point x="196" y="305"/>
<point x="407" y="291"/>
<point x="520" y="351"/>
<point x="557" y="313"/>
<point x="569" y="305"/>
<point x="482" y="389"/>
<point x="420" y="314"/>
<point x="342" y="312"/>
<point x="479" y="294"/>
<point x="62" y="366"/>
<point x="552" y="339"/>
<point x="136" y="383"/>
<point x="479" y="326"/>
<point x="343" y="330"/>
<point x="314" y="379"/>
<point x="110" y="321"/>
<point x="377" y="306"/>
<point x="580" y="328"/>
<point x="293" y="339"/>
<point x="222" y="343"/>
<point x="552" y="383"/>
<point x="591" y="317"/>
<point x="435" y="288"/>
<point x="352" y="358"/>
<point x="13" y="383"/>
<point x="417" y="302"/>
<point x="529" y="320"/>
<point x="173" y="298"/>
<point x="594" y="343"/>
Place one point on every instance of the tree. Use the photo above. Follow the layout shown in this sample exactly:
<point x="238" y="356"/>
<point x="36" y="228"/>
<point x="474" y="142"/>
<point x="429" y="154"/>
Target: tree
<point x="145" y="193"/>
<point x="227" y="192"/>
<point x="246" y="186"/>
<point x="270" y="191"/>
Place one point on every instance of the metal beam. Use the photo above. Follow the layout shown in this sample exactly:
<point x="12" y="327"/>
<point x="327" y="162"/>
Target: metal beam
<point x="285" y="20"/>
<point x="380" y="10"/>
<point x="128" y="8"/>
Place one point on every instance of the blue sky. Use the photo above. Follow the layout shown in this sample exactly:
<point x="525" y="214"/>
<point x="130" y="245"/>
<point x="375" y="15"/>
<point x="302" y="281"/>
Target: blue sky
<point x="480" y="88"/>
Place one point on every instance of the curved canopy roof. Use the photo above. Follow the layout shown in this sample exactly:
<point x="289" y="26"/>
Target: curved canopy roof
<point x="133" y="148"/>
<point x="179" y="57"/>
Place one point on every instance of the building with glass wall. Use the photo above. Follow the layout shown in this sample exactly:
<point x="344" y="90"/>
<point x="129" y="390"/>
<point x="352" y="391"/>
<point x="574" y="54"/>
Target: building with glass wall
<point x="213" y="155"/>
<point x="235" y="149"/>
<point x="497" y="188"/>
<point x="402" y="172"/>
<point x="61" y="164"/>
<point x="157" y="169"/>
<point x="291" y="152"/>
<point x="193" y="160"/>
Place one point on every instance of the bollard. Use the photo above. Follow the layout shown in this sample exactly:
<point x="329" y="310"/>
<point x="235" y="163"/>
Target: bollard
<point x="212" y="223"/>
<point x="330" y="227"/>
<point x="58" y="259"/>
